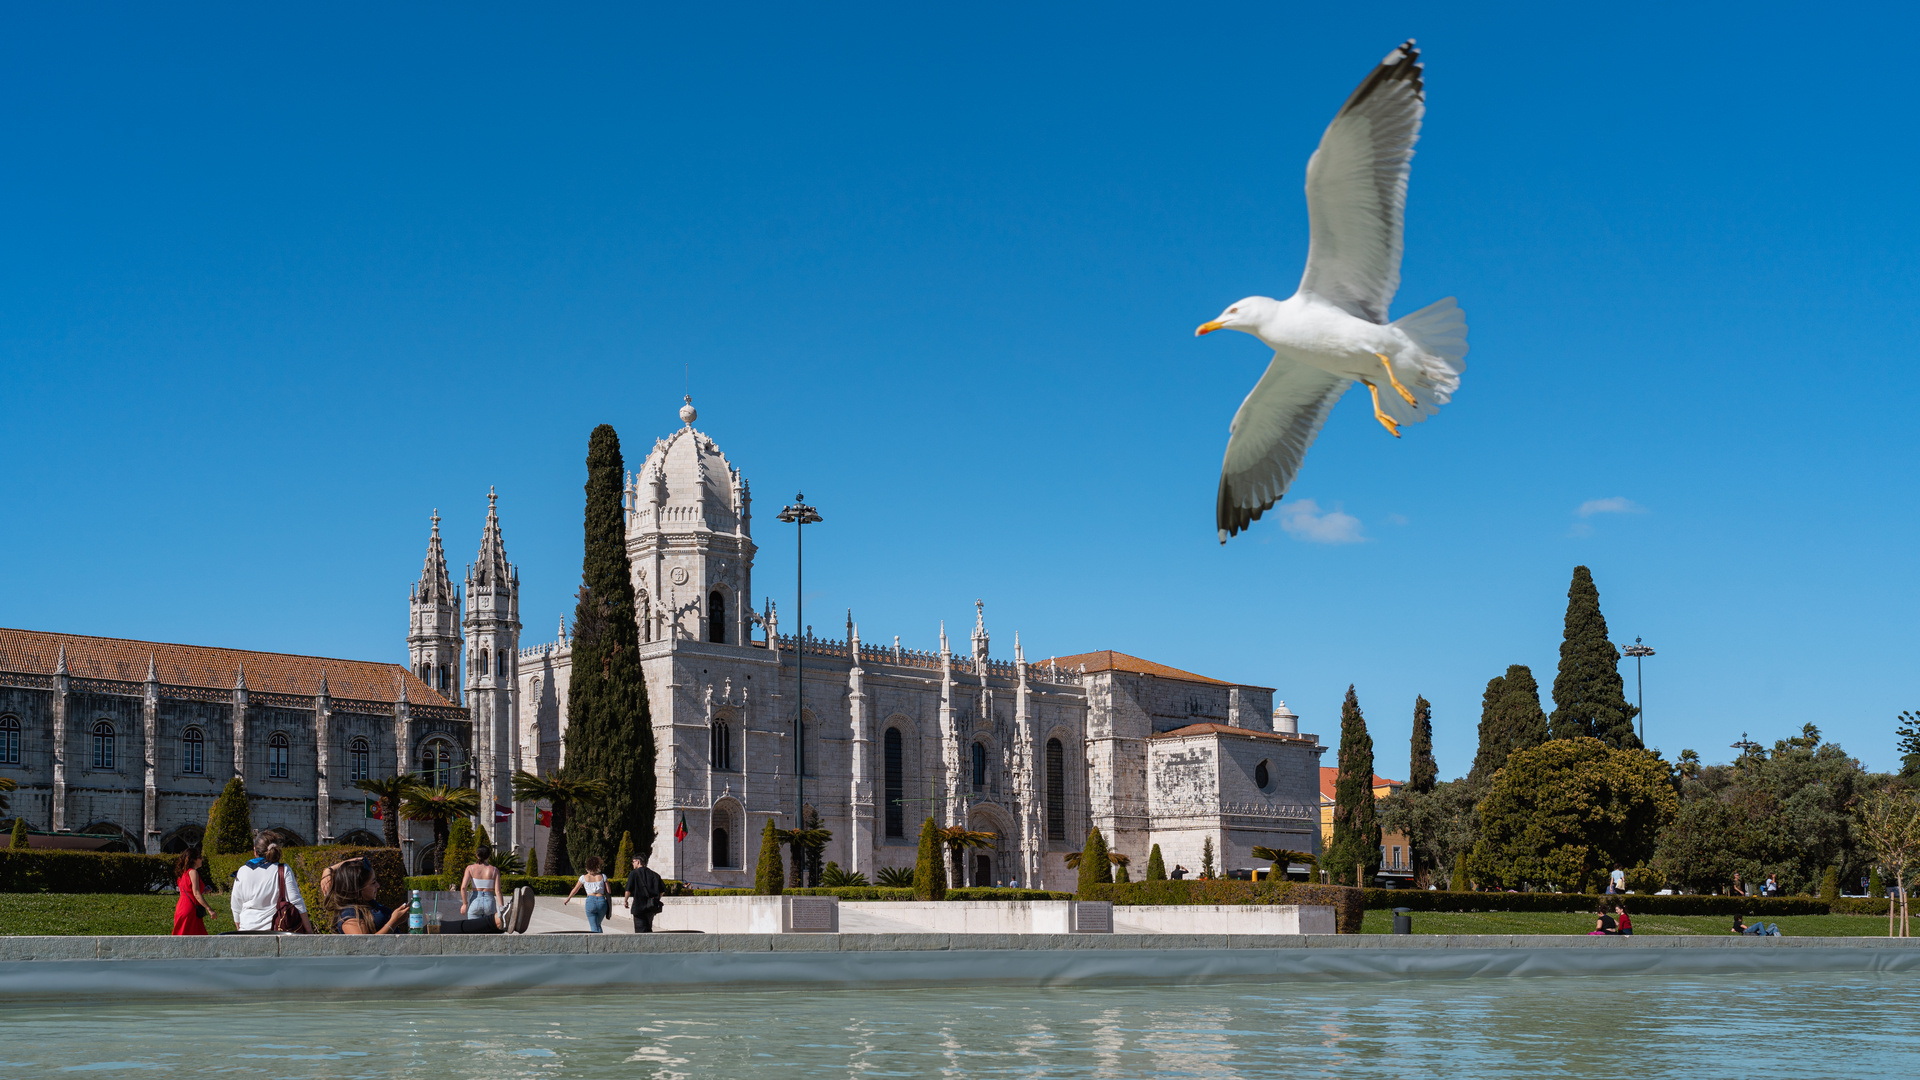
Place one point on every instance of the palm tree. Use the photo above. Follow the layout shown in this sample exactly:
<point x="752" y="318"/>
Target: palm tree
<point x="440" y="805"/>
<point x="958" y="838"/>
<point x="562" y="793"/>
<point x="804" y="844"/>
<point x="894" y="877"/>
<point x="1280" y="857"/>
<point x="390" y="791"/>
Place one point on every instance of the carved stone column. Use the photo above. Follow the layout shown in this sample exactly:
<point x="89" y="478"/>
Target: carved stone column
<point x="62" y="688"/>
<point x="150" y="796"/>
<point x="323" y="756"/>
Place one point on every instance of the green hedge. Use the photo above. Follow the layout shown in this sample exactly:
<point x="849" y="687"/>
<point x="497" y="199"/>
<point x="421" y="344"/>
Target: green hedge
<point x="1348" y="904"/>
<point x="878" y="892"/>
<point x="543" y="885"/>
<point x="1422" y="900"/>
<point x="1859" y="905"/>
<point x="39" y="870"/>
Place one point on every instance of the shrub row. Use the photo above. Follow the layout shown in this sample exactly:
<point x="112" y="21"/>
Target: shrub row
<point x="1420" y="900"/>
<point x="880" y="892"/>
<point x="1348" y="904"/>
<point x="1860" y="905"/>
<point x="542" y="885"/>
<point x="33" y="870"/>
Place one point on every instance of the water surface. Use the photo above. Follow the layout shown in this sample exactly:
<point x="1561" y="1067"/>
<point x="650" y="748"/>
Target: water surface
<point x="1823" y="1026"/>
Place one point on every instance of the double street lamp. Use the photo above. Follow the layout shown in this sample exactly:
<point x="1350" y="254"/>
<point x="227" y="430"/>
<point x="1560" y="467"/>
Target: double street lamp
<point x="801" y="515"/>
<point x="1639" y="652"/>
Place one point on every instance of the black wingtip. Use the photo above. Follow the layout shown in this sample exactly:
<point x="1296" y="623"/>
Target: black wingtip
<point x="1400" y="65"/>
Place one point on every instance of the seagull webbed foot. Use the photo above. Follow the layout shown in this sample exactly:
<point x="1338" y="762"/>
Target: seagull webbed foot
<point x="1405" y="394"/>
<point x="1386" y="421"/>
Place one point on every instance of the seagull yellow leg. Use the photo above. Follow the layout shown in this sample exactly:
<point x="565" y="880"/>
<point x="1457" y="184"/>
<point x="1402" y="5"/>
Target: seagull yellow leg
<point x="1405" y="394"/>
<point x="1386" y="421"/>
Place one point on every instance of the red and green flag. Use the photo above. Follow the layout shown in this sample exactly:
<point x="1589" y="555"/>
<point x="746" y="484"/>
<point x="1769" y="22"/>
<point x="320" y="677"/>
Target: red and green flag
<point x="680" y="830"/>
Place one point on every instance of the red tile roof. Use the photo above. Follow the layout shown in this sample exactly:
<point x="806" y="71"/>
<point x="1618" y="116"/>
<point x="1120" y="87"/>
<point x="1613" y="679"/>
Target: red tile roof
<point x="37" y="652"/>
<point x="1330" y="775"/>
<point x="1108" y="660"/>
<point x="1224" y="729"/>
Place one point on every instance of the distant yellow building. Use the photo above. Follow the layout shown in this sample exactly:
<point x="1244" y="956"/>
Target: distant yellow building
<point x="1396" y="855"/>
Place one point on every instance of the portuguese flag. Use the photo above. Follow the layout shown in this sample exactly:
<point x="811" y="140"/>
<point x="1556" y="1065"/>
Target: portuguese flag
<point x="680" y="830"/>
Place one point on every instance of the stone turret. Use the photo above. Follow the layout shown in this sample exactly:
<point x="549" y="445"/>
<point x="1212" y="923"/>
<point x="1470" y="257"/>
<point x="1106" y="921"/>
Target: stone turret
<point x="493" y="647"/>
<point x="690" y="539"/>
<point x="433" y="622"/>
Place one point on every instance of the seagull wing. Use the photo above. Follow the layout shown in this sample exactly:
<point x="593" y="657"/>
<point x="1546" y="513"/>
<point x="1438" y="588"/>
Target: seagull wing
<point x="1269" y="439"/>
<point x="1357" y="189"/>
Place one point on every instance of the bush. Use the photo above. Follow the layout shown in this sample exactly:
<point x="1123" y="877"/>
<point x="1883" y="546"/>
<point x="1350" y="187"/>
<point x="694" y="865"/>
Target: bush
<point x="459" y="853"/>
<point x="42" y="870"/>
<point x="929" y="870"/>
<point x="768" y="879"/>
<point x="1830" y="885"/>
<point x="622" y="858"/>
<point x="1637" y="904"/>
<point x="230" y="822"/>
<point x="894" y="877"/>
<point x="19" y="835"/>
<point x="1094" y="867"/>
<point x="1858" y="905"/>
<point x="835" y="878"/>
<point x="1347" y="903"/>
<point x="1156" y="866"/>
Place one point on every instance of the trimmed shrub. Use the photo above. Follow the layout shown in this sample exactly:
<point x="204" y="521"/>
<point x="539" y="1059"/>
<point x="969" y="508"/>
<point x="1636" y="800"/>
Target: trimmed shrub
<point x="929" y="870"/>
<point x="1859" y="905"/>
<point x="1156" y="866"/>
<point x="1347" y="903"/>
<point x="1874" y="885"/>
<point x="48" y="870"/>
<point x="622" y="860"/>
<point x="1830" y="885"/>
<point x="460" y="852"/>
<point x="19" y="835"/>
<point x="767" y="875"/>
<point x="1094" y="867"/>
<point x="230" y="822"/>
<point x="1206" y="859"/>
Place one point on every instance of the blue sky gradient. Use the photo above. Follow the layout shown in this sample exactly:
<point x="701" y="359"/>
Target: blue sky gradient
<point x="281" y="282"/>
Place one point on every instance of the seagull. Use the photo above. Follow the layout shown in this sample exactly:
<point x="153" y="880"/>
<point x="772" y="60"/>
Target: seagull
<point x="1333" y="331"/>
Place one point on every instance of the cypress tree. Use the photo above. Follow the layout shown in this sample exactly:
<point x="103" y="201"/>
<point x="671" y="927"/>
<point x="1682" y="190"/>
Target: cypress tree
<point x="1095" y="869"/>
<point x="1156" y="866"/>
<point x="622" y="858"/>
<point x="609" y="729"/>
<point x="1492" y="750"/>
<point x="1422" y="770"/>
<point x="1206" y="858"/>
<point x="459" y="853"/>
<point x="1510" y="719"/>
<point x="929" y="869"/>
<point x="1356" y="828"/>
<point x="768" y="873"/>
<point x="230" y="821"/>
<point x="1589" y="698"/>
<point x="533" y="861"/>
<point x="19" y="834"/>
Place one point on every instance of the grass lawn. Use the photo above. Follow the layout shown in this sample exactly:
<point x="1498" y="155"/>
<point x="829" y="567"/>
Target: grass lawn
<point x="1557" y="922"/>
<point x="98" y="914"/>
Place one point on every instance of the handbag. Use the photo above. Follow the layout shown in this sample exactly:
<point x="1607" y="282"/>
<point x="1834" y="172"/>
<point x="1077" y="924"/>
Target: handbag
<point x="287" y="918"/>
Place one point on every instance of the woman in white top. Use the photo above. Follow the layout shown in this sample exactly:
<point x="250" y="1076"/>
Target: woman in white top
<point x="480" y="885"/>
<point x="599" y="904"/>
<point x="260" y="885"/>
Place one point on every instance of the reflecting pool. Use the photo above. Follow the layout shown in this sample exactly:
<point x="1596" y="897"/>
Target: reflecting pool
<point x="1588" y="1027"/>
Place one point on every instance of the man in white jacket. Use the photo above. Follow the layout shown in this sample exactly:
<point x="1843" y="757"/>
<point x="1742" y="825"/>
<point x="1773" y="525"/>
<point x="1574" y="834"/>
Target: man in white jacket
<point x="257" y="886"/>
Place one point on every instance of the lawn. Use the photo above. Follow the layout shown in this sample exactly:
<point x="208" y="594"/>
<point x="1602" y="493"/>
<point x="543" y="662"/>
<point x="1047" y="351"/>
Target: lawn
<point x="98" y="914"/>
<point x="1568" y="922"/>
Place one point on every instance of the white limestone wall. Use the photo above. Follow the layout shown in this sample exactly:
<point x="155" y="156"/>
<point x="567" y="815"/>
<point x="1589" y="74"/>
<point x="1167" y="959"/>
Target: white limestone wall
<point x="1224" y="919"/>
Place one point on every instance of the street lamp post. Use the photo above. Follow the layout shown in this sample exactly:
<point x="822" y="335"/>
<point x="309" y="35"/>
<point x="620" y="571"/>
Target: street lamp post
<point x="801" y="515"/>
<point x="1639" y="652"/>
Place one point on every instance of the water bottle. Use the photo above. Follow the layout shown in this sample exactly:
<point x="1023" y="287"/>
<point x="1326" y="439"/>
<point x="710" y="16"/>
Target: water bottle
<point x="416" y="918"/>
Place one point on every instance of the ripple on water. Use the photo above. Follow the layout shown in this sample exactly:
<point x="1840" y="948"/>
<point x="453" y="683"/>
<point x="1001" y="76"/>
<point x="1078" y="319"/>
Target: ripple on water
<point x="1808" y="1028"/>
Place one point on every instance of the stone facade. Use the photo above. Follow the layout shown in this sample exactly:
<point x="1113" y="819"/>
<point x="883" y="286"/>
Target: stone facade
<point x="1032" y="751"/>
<point x="135" y="739"/>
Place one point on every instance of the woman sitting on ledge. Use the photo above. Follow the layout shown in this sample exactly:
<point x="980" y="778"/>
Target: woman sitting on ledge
<point x="352" y="889"/>
<point x="1603" y="925"/>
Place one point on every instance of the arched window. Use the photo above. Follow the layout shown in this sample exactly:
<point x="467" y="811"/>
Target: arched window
<point x="1056" y="790"/>
<point x="436" y="763"/>
<point x="443" y="678"/>
<point x="425" y="674"/>
<point x="725" y="852"/>
<point x="193" y="751"/>
<point x="1262" y="778"/>
<point x="722" y="852"/>
<point x="103" y="745"/>
<point x="720" y="744"/>
<point x="279" y="751"/>
<point x="485" y="664"/>
<point x="979" y="767"/>
<point x="359" y="756"/>
<point x="717" y="617"/>
<point x="500" y="663"/>
<point x="896" y="785"/>
<point x="9" y="740"/>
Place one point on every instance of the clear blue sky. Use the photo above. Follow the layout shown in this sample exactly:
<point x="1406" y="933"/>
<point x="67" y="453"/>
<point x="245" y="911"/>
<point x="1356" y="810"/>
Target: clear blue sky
<point x="280" y="282"/>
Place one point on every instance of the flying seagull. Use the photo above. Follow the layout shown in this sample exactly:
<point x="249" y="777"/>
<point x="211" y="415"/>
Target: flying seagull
<point x="1333" y="331"/>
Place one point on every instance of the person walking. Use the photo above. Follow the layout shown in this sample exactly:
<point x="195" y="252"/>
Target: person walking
<point x="190" y="913"/>
<point x="480" y="885"/>
<point x="1617" y="881"/>
<point x="261" y="886"/>
<point x="644" y="890"/>
<point x="598" y="903"/>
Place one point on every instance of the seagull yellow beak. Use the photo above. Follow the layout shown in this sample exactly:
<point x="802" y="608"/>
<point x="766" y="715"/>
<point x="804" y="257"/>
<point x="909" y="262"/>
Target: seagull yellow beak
<point x="1208" y="327"/>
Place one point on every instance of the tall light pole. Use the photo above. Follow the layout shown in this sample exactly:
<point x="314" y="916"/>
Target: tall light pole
<point x="801" y="515"/>
<point x="1639" y="652"/>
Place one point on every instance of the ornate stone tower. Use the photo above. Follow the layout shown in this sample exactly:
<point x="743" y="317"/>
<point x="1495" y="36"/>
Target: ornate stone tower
<point x="690" y="538"/>
<point x="493" y="646"/>
<point x="433" y="623"/>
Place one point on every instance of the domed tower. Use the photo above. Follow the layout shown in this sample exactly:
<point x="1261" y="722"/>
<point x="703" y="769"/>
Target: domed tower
<point x="433" y="622"/>
<point x="690" y="539"/>
<point x="493" y="641"/>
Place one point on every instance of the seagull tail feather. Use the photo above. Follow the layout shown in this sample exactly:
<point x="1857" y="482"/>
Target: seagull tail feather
<point x="1439" y="332"/>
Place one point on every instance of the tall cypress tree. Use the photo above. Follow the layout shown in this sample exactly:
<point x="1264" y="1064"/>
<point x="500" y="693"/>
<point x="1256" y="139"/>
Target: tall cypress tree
<point x="1422" y="770"/>
<point x="1356" y="828"/>
<point x="1589" y="698"/>
<point x="1492" y="751"/>
<point x="609" y="730"/>
<point x="1510" y="719"/>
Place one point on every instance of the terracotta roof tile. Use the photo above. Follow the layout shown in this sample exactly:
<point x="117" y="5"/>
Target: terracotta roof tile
<point x="1330" y="775"/>
<point x="37" y="652"/>
<point x="1225" y="729"/>
<point x="1108" y="660"/>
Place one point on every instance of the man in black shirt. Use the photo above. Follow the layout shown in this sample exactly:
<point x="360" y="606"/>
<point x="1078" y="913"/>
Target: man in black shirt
<point x="644" y="889"/>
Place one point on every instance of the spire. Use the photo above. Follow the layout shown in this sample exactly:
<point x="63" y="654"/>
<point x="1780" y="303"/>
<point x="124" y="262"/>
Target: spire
<point x="240" y="678"/>
<point x="60" y="665"/>
<point x="435" y="585"/>
<point x="979" y="631"/>
<point x="943" y="638"/>
<point x="153" y="673"/>
<point x="323" y="685"/>
<point x="491" y="564"/>
<point x="1019" y="658"/>
<point x="563" y="629"/>
<point x="403" y="687"/>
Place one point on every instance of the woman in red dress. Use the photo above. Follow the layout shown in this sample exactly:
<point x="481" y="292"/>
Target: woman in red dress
<point x="189" y="915"/>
